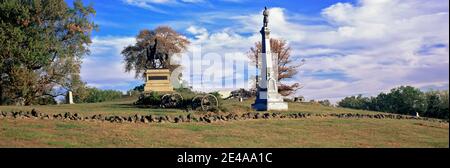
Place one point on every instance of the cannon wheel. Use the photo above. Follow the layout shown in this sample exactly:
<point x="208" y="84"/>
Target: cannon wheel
<point x="171" y="100"/>
<point x="197" y="102"/>
<point x="209" y="102"/>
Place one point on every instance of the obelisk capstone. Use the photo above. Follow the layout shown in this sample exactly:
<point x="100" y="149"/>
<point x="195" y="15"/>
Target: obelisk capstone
<point x="268" y="97"/>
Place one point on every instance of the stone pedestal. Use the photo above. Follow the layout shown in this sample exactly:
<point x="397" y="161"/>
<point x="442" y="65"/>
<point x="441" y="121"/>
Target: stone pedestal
<point x="266" y="101"/>
<point x="158" y="80"/>
<point x="270" y="105"/>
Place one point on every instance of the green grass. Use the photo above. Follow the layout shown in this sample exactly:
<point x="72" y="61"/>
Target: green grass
<point x="120" y="107"/>
<point x="124" y="107"/>
<point x="315" y="132"/>
<point x="68" y="126"/>
<point x="311" y="132"/>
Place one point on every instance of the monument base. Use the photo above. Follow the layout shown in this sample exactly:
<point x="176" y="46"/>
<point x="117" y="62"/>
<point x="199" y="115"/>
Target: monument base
<point x="158" y="80"/>
<point x="264" y="105"/>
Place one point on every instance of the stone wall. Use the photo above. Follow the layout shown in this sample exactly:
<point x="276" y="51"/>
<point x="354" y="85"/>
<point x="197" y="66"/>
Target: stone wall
<point x="206" y="118"/>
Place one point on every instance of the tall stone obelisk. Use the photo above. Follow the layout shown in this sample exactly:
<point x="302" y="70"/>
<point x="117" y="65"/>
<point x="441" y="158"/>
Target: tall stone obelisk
<point x="268" y="97"/>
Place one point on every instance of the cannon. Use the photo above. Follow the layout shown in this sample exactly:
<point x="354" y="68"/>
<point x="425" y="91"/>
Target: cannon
<point x="206" y="102"/>
<point x="201" y="101"/>
<point x="174" y="100"/>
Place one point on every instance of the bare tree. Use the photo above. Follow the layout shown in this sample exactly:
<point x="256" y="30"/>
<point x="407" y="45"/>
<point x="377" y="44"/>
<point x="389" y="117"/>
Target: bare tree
<point x="287" y="65"/>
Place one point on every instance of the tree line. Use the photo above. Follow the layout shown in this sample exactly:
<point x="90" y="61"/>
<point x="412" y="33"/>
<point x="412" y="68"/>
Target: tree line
<point x="405" y="100"/>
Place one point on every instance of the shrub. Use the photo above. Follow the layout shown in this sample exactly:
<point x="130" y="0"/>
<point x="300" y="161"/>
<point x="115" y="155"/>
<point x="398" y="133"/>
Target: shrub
<point x="139" y="88"/>
<point x="153" y="99"/>
<point x="324" y="102"/>
<point x="94" y="95"/>
<point x="46" y="100"/>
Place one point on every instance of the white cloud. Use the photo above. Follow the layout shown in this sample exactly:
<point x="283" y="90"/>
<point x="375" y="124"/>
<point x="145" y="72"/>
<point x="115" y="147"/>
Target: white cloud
<point x="150" y="4"/>
<point x="199" y="32"/>
<point x="153" y="4"/>
<point x="149" y="1"/>
<point x="192" y="1"/>
<point x="375" y="45"/>
<point x="209" y="51"/>
<point x="387" y="38"/>
<point x="104" y="68"/>
<point x="364" y="48"/>
<point x="146" y="4"/>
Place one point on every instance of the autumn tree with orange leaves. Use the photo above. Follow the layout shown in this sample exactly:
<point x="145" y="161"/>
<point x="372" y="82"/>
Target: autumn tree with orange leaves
<point x="287" y="65"/>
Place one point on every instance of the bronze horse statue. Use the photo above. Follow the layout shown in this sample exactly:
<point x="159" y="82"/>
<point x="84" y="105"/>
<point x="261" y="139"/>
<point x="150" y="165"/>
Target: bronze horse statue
<point x="156" y="60"/>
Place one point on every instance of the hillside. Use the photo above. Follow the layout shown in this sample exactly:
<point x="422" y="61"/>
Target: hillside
<point x="302" y="132"/>
<point x="124" y="107"/>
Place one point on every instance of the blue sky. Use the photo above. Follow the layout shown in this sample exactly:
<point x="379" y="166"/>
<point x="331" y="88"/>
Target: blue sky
<point x="350" y="47"/>
<point x="125" y="18"/>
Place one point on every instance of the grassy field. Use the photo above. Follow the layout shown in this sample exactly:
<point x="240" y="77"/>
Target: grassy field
<point x="125" y="107"/>
<point x="271" y="133"/>
<point x="311" y="132"/>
